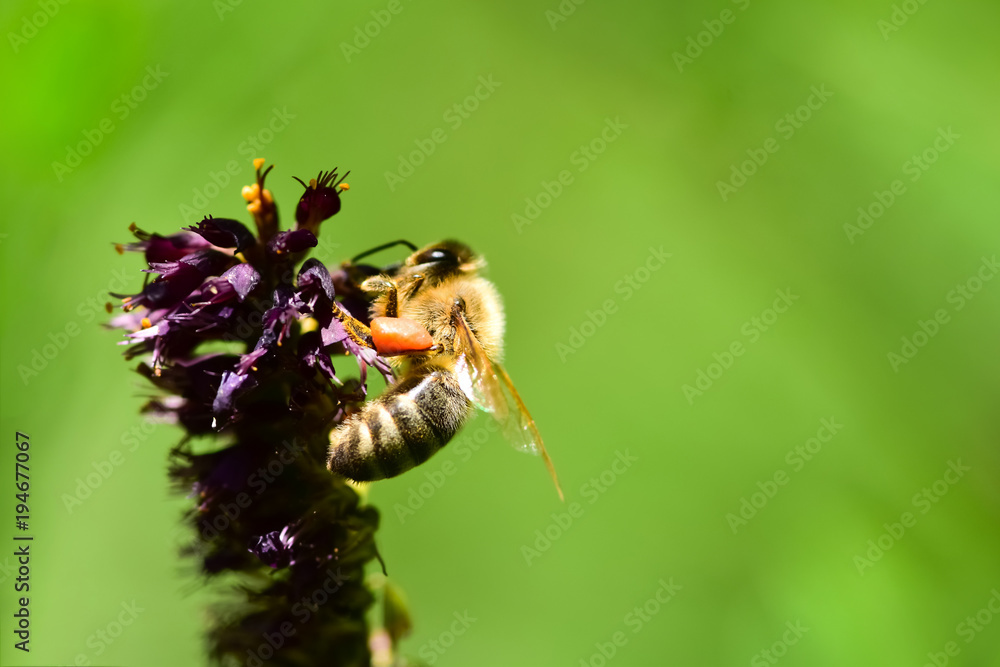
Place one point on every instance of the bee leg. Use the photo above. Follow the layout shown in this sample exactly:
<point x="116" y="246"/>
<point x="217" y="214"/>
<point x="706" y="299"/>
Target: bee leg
<point x="391" y="300"/>
<point x="433" y="349"/>
<point x="415" y="282"/>
<point x="355" y="328"/>
<point x="384" y="285"/>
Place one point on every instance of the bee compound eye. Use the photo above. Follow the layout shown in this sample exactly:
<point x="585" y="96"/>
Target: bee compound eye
<point x="437" y="256"/>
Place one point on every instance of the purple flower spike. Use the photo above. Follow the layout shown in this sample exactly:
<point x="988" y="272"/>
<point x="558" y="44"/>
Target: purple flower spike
<point x="240" y="347"/>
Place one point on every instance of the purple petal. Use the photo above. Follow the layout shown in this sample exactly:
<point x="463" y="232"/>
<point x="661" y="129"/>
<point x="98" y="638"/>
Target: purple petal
<point x="314" y="276"/>
<point x="164" y="248"/>
<point x="233" y="385"/>
<point x="286" y="243"/>
<point x="225" y="233"/>
<point x="243" y="277"/>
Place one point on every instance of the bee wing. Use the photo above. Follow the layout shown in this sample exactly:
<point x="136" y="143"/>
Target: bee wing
<point x="475" y="372"/>
<point x="488" y="386"/>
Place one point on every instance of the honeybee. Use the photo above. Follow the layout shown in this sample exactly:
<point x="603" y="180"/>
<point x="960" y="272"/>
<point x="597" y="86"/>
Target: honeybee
<point x="440" y="324"/>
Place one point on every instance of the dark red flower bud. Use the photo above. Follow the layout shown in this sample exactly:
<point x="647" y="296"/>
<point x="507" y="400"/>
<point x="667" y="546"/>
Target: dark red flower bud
<point x="320" y="201"/>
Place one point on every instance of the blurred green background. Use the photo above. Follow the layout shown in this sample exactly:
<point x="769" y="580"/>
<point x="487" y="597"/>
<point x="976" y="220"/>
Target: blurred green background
<point x="602" y="335"/>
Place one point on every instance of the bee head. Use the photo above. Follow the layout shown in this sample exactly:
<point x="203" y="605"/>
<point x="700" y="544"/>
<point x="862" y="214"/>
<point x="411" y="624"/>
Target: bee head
<point x="443" y="259"/>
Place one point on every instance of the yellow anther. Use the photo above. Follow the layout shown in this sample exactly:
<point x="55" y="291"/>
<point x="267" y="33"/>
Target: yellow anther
<point x="258" y="163"/>
<point x="251" y="192"/>
<point x="108" y="307"/>
<point x="254" y="206"/>
<point x="267" y="197"/>
<point x="119" y="248"/>
<point x="344" y="186"/>
<point x="146" y="323"/>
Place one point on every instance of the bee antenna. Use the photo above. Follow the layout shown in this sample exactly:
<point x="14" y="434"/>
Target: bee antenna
<point x="384" y="246"/>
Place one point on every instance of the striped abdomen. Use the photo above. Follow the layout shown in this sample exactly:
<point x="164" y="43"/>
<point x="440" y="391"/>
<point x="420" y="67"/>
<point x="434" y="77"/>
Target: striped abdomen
<point x="401" y="428"/>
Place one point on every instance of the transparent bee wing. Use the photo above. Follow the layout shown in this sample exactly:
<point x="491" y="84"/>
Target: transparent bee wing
<point x="477" y="384"/>
<point x="490" y="389"/>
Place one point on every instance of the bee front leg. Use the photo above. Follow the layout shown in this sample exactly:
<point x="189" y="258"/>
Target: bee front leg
<point x="384" y="287"/>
